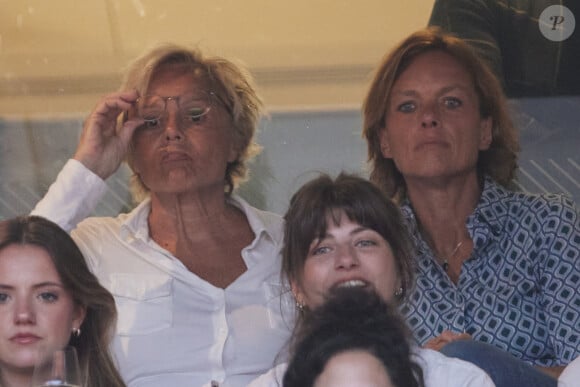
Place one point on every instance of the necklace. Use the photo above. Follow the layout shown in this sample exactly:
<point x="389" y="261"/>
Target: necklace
<point x="445" y="263"/>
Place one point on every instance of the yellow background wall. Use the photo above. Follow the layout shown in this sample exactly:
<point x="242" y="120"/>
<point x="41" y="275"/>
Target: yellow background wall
<point x="58" y="56"/>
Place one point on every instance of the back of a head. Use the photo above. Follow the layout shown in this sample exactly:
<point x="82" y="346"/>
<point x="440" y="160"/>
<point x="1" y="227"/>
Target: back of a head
<point x="352" y="319"/>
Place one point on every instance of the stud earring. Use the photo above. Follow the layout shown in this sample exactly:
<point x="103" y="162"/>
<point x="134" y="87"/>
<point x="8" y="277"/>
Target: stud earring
<point x="399" y="292"/>
<point x="76" y="332"/>
<point x="298" y="302"/>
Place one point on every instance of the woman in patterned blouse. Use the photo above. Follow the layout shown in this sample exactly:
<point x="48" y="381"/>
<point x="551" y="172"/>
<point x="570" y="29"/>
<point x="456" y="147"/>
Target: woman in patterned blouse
<point x="493" y="266"/>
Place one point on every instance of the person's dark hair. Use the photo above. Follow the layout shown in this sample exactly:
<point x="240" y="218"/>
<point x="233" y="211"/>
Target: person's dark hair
<point x="363" y="203"/>
<point x="353" y="319"/>
<point x="92" y="345"/>
<point x="499" y="161"/>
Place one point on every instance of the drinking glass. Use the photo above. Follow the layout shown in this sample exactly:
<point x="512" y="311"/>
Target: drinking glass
<point x="58" y="368"/>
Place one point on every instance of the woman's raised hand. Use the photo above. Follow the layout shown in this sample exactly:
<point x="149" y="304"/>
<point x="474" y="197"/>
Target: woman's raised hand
<point x="105" y="139"/>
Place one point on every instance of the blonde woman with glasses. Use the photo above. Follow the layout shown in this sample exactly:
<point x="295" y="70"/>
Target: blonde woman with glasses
<point x="194" y="268"/>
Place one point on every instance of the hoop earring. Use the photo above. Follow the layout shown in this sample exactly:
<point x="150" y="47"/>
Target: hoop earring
<point x="76" y="332"/>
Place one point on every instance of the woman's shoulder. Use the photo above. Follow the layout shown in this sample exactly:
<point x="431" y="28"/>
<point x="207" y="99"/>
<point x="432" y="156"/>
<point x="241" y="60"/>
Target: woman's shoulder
<point x="260" y="219"/>
<point x="249" y="209"/>
<point x="501" y="200"/>
<point x="101" y="225"/>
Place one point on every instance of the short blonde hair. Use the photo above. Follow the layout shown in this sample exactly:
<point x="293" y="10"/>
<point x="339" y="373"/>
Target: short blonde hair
<point x="499" y="161"/>
<point x="232" y="85"/>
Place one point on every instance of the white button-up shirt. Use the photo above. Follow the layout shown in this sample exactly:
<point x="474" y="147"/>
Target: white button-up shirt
<point x="174" y="328"/>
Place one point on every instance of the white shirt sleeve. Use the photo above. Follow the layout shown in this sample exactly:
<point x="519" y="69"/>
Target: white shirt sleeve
<point x="571" y="374"/>
<point x="440" y="370"/>
<point x="72" y="197"/>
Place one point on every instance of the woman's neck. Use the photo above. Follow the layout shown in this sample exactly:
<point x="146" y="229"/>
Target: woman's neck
<point x="207" y="237"/>
<point x="15" y="379"/>
<point x="193" y="208"/>
<point x="442" y="209"/>
<point x="191" y="218"/>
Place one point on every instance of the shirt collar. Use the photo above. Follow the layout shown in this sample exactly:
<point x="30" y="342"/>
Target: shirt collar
<point x="487" y="216"/>
<point x="491" y="212"/>
<point x="263" y="224"/>
<point x="135" y="224"/>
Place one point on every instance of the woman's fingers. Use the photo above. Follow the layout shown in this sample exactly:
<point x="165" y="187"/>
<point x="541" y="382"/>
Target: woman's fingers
<point x="105" y="139"/>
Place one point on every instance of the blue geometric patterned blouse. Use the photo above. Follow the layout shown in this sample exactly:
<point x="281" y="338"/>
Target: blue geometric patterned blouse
<point x="519" y="290"/>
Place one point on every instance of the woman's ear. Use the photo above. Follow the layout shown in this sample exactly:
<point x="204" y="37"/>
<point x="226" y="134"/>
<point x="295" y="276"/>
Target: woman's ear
<point x="236" y="146"/>
<point x="79" y="315"/>
<point x="384" y="142"/>
<point x="234" y="152"/>
<point x="297" y="293"/>
<point x="399" y="290"/>
<point x="486" y="133"/>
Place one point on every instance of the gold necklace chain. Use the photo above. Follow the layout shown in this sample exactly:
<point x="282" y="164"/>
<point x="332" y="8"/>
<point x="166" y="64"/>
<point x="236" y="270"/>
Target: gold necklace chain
<point x="445" y="263"/>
